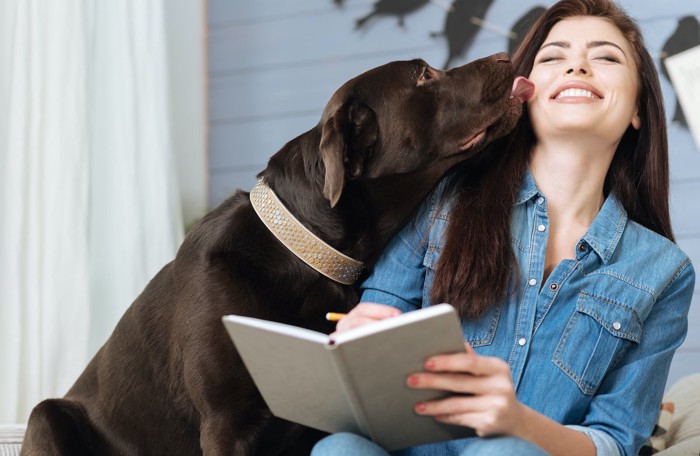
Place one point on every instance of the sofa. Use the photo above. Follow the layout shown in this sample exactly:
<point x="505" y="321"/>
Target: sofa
<point x="677" y="432"/>
<point x="10" y="439"/>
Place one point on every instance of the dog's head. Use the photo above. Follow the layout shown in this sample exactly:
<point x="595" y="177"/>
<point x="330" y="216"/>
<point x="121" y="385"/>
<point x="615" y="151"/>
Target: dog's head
<point x="405" y="116"/>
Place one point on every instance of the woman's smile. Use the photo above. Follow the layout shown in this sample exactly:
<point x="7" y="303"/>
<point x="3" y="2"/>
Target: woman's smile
<point x="576" y="92"/>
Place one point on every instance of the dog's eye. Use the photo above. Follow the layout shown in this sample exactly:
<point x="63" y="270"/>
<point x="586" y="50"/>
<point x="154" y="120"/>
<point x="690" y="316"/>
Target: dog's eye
<point x="426" y="75"/>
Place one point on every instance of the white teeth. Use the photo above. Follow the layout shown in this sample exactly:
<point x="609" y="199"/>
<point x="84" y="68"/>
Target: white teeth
<point x="576" y="93"/>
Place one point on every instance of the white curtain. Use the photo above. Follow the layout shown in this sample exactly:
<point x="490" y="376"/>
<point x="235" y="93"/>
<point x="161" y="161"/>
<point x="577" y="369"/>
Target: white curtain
<point x="89" y="206"/>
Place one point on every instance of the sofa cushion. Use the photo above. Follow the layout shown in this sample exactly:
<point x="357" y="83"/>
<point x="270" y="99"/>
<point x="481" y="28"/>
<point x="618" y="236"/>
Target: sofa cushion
<point x="677" y="430"/>
<point x="686" y="419"/>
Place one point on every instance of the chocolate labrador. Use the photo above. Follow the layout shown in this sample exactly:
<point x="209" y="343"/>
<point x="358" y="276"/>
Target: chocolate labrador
<point x="169" y="381"/>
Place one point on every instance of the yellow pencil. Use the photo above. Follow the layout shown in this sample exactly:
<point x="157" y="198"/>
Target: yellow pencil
<point x="334" y="316"/>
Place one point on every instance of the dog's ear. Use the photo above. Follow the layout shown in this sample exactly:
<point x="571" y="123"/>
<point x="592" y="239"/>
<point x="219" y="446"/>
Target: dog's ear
<point x="348" y="138"/>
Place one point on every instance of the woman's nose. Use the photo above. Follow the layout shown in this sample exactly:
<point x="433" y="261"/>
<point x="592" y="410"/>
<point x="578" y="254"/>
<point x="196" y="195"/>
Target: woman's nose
<point x="580" y="70"/>
<point x="579" y="65"/>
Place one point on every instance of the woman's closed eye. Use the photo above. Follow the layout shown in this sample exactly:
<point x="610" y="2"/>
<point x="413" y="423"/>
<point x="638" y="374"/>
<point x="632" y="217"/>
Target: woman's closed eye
<point x="608" y="58"/>
<point x="549" y="58"/>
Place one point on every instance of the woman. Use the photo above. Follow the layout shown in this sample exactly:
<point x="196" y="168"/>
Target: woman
<point x="560" y="258"/>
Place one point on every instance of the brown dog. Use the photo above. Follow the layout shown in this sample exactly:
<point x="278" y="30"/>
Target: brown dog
<point x="169" y="381"/>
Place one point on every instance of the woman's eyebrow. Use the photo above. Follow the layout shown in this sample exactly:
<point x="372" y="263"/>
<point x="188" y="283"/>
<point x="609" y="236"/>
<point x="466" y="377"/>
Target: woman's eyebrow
<point x="561" y="44"/>
<point x="589" y="45"/>
<point x="593" y="44"/>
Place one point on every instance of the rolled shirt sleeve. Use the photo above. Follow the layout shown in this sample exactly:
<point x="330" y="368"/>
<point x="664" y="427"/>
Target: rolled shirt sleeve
<point x="604" y="444"/>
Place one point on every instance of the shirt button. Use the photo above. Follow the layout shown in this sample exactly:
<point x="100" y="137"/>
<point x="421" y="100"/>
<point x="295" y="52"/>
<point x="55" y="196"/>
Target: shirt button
<point x="540" y="200"/>
<point x="532" y="282"/>
<point x="522" y="341"/>
<point x="617" y="326"/>
<point x="553" y="286"/>
<point x="582" y="247"/>
<point x="541" y="228"/>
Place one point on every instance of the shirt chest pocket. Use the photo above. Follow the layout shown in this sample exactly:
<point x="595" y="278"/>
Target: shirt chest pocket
<point x="479" y="332"/>
<point x="597" y="335"/>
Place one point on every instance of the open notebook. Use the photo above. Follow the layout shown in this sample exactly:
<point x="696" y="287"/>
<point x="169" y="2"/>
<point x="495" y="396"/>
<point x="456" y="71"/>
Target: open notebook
<point x="353" y="381"/>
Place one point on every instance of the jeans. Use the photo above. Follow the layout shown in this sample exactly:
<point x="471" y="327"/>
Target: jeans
<point x="345" y="444"/>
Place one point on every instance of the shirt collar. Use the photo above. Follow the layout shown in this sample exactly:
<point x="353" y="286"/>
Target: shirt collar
<point x="604" y="233"/>
<point x="528" y="189"/>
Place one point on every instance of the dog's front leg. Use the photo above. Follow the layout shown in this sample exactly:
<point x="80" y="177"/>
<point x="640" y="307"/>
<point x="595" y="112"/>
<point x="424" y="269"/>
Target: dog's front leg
<point x="232" y="414"/>
<point x="218" y="437"/>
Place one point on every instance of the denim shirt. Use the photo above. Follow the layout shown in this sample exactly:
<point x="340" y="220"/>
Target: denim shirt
<point x="591" y="346"/>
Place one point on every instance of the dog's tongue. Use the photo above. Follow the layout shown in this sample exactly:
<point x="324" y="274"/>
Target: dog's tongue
<point x="523" y="89"/>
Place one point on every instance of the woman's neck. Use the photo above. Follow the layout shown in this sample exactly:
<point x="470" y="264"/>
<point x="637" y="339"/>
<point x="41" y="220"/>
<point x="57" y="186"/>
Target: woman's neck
<point x="571" y="175"/>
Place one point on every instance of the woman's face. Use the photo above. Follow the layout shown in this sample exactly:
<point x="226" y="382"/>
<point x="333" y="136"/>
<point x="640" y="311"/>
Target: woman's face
<point x="586" y="82"/>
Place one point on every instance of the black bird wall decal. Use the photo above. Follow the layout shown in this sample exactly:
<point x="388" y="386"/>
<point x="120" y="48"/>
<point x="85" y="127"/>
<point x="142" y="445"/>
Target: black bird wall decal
<point x="398" y="8"/>
<point x="522" y="26"/>
<point x="461" y="26"/>
<point x="686" y="36"/>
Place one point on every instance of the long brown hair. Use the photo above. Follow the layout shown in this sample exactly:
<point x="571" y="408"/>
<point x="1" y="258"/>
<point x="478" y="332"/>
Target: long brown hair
<point x="477" y="263"/>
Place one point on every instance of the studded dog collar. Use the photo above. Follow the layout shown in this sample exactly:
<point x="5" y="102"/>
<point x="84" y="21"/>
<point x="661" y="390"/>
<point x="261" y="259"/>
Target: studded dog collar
<point x="299" y="240"/>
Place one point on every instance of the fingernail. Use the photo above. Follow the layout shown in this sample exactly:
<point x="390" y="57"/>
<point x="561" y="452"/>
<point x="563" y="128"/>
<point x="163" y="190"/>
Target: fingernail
<point x="429" y="364"/>
<point x="420" y="407"/>
<point x="412" y="380"/>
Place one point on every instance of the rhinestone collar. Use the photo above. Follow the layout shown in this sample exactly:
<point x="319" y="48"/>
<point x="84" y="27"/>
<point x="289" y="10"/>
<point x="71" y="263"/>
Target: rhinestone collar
<point x="299" y="240"/>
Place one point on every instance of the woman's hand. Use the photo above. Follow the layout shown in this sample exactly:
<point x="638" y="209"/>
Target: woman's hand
<point x="485" y="398"/>
<point x="366" y="312"/>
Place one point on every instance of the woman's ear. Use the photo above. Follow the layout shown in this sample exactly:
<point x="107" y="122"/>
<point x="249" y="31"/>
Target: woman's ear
<point x="636" y="121"/>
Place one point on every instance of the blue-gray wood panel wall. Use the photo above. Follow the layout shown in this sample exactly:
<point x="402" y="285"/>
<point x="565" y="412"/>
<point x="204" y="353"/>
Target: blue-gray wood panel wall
<point x="274" y="64"/>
